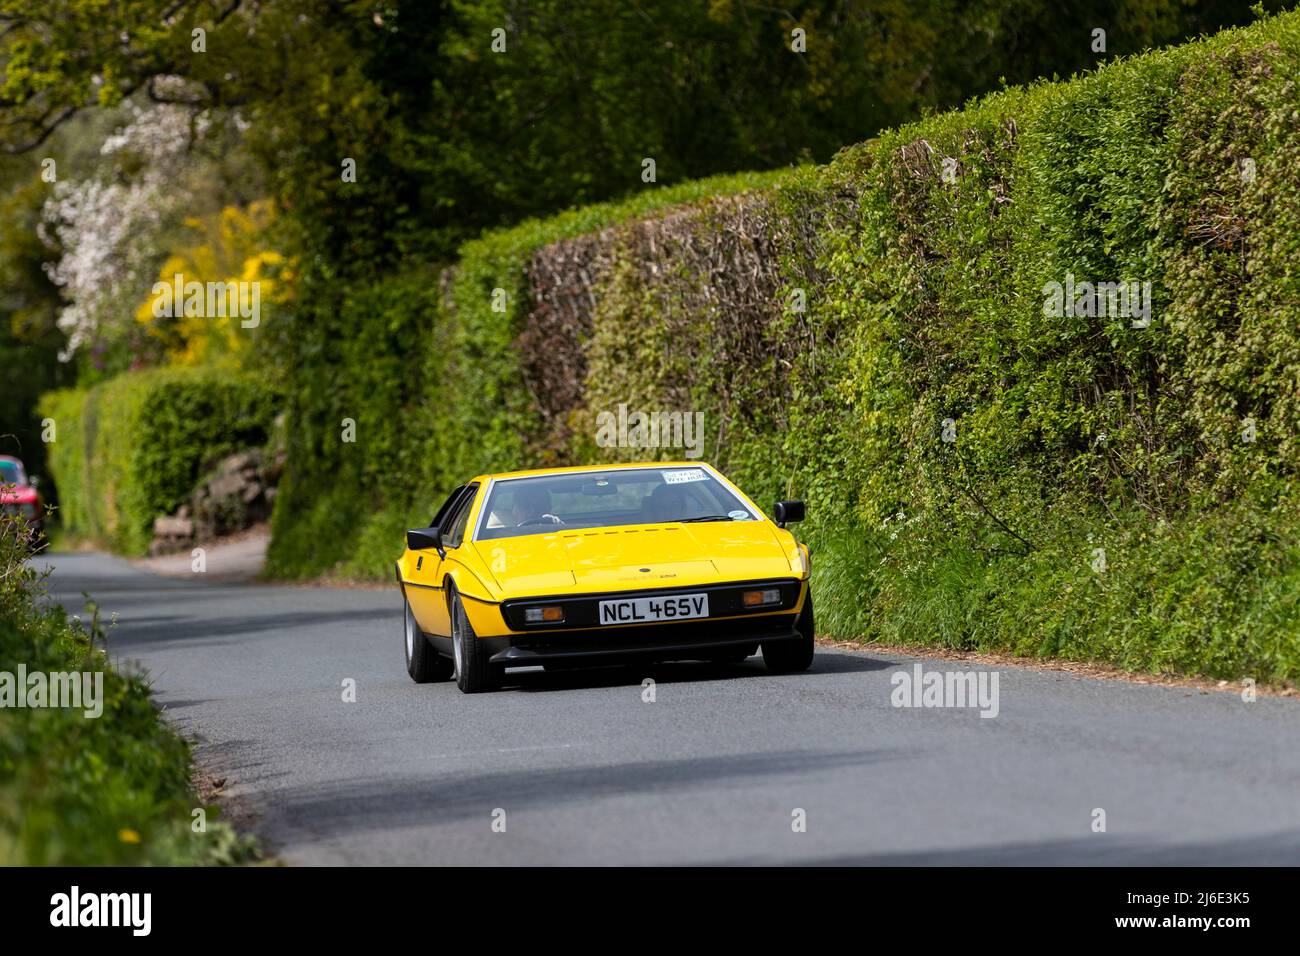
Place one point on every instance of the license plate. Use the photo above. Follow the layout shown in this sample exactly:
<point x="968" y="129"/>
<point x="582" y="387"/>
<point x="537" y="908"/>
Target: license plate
<point x="634" y="610"/>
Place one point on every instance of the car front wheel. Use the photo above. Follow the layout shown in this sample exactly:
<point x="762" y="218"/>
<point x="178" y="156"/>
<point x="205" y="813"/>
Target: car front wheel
<point x="422" y="661"/>
<point x="474" y="673"/>
<point x="793" y="655"/>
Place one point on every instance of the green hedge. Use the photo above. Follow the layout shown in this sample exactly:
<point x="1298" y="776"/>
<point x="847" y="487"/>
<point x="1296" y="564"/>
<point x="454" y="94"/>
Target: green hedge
<point x="1111" y="492"/>
<point x="1078" y="436"/>
<point x="134" y="447"/>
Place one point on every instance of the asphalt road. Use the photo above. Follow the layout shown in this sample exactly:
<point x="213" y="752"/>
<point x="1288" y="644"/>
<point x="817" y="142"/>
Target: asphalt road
<point x="711" y="772"/>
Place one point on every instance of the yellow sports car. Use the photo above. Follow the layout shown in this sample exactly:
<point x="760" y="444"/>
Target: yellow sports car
<point x="565" y="566"/>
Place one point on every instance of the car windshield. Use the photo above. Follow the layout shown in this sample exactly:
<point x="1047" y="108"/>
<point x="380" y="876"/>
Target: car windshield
<point x="607" y="499"/>
<point x="11" y="473"/>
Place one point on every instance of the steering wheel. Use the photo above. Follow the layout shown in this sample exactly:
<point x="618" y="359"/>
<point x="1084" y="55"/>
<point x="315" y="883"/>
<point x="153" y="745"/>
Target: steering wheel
<point x="544" y="519"/>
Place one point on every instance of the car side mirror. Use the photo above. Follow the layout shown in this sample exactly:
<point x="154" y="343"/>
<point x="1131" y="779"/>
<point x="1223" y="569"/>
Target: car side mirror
<point x="34" y="481"/>
<point x="422" y="539"/>
<point x="787" y="511"/>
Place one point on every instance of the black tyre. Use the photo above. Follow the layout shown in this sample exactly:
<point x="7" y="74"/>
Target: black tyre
<point x="792" y="656"/>
<point x="423" y="662"/>
<point x="474" y="674"/>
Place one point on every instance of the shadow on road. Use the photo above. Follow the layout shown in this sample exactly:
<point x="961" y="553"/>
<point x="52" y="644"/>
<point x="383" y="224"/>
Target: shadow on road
<point x="394" y="802"/>
<point x="1102" y="849"/>
<point x="622" y="675"/>
<point x="162" y="631"/>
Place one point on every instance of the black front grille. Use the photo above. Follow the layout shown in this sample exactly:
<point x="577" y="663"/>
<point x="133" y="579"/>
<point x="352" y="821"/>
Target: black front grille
<point x="583" y="610"/>
<point x="648" y="638"/>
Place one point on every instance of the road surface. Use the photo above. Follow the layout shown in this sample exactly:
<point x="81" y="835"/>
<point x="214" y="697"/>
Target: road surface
<point x="582" y="770"/>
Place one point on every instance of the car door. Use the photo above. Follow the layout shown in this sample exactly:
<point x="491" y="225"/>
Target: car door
<point x="424" y="586"/>
<point x="454" y="528"/>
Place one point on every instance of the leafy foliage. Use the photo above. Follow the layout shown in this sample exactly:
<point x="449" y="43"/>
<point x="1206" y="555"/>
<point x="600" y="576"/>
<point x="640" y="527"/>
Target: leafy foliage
<point x="1101" y="496"/>
<point x="227" y="249"/>
<point x="133" y="448"/>
<point x="111" y="790"/>
<point x="433" y="386"/>
<point x="828" y="320"/>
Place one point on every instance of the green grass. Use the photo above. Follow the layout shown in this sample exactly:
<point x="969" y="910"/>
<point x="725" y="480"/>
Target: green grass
<point x="1215" y="593"/>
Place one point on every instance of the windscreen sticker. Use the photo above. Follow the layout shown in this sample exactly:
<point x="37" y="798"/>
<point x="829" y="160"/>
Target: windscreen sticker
<point x="681" y="477"/>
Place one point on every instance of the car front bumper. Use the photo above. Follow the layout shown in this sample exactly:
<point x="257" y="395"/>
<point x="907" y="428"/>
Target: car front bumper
<point x="728" y="626"/>
<point x="684" y="640"/>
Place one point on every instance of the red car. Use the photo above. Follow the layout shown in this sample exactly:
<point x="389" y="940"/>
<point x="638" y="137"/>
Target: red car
<point x="18" y="494"/>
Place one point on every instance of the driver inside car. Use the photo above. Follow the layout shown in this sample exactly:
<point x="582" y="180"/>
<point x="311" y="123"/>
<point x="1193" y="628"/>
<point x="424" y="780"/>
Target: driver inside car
<point x="665" y="503"/>
<point x="532" y="505"/>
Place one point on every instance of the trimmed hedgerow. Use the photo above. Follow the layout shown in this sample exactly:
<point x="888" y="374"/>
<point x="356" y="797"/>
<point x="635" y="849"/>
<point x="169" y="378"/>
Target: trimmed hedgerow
<point x="873" y="336"/>
<point x="67" y="457"/>
<point x="134" y="447"/>
<point x="1112" y="492"/>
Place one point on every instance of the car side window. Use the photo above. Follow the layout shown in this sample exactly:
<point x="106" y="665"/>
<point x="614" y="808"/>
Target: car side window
<point x="456" y="527"/>
<point x="446" y="507"/>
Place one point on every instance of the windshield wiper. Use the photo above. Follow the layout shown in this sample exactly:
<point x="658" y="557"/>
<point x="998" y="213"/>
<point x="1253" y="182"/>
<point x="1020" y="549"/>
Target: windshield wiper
<point x="707" y="518"/>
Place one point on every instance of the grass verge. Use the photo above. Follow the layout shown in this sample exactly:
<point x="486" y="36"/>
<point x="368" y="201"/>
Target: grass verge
<point x="107" y="783"/>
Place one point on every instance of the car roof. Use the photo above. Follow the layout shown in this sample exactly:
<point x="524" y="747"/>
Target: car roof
<point x="578" y="469"/>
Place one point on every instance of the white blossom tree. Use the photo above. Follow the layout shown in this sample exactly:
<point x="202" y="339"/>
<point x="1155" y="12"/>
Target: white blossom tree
<point x="113" y="228"/>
